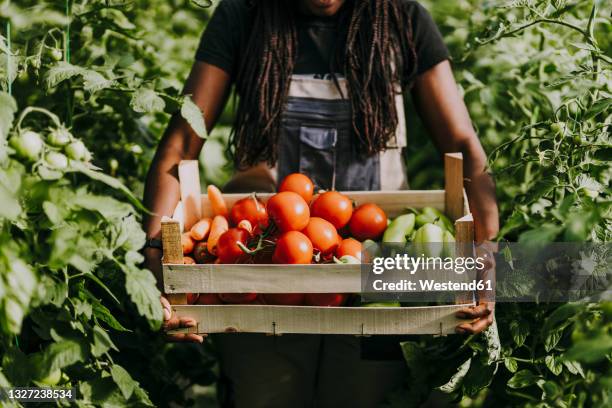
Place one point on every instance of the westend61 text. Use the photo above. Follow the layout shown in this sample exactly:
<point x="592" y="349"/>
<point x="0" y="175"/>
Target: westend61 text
<point x="430" y="285"/>
<point x="413" y="264"/>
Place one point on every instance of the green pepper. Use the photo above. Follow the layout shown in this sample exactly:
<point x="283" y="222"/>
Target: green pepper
<point x="401" y="227"/>
<point x="448" y="245"/>
<point x="428" y="240"/>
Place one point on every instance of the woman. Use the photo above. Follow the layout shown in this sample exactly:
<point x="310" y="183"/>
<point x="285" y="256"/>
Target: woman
<point x="320" y="86"/>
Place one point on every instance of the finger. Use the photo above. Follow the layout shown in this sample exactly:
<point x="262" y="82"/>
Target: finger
<point x="166" y="307"/>
<point x="186" y="338"/>
<point x="172" y="323"/>
<point x="473" y="312"/>
<point x="476" y="327"/>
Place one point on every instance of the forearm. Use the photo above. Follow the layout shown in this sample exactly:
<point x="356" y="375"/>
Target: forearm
<point x="480" y="189"/>
<point x="162" y="191"/>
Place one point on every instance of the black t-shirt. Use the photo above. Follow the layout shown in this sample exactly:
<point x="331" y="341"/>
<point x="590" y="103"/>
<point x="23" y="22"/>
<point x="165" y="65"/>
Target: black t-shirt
<point x="226" y="32"/>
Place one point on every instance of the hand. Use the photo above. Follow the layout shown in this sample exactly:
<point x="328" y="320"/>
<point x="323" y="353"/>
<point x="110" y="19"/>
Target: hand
<point x="173" y="322"/>
<point x="483" y="315"/>
<point x="153" y="263"/>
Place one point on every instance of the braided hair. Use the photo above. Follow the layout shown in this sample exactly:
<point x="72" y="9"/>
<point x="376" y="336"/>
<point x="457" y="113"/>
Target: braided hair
<point x="378" y="59"/>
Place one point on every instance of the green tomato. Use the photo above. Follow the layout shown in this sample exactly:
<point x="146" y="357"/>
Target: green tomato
<point x="77" y="151"/>
<point x="382" y="304"/>
<point x="28" y="144"/>
<point x="559" y="128"/>
<point x="428" y="240"/>
<point x="59" y="137"/>
<point x="56" y="160"/>
<point x="53" y="378"/>
<point x="56" y="54"/>
<point x="448" y="245"/>
<point x="399" y="228"/>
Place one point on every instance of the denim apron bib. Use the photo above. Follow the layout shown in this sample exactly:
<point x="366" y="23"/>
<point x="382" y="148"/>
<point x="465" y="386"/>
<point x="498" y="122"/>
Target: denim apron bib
<point x="317" y="140"/>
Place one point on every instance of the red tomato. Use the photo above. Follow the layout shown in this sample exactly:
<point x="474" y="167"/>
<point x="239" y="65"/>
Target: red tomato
<point x="239" y="298"/>
<point x="369" y="221"/>
<point x="349" y="246"/>
<point x="228" y="250"/>
<point x="289" y="211"/>
<point x="250" y="209"/>
<point x="325" y="299"/>
<point x="209" y="299"/>
<point x="293" y="247"/>
<point x="298" y="183"/>
<point x="288" y="299"/>
<point x="333" y="207"/>
<point x="322" y="234"/>
<point x="192" y="298"/>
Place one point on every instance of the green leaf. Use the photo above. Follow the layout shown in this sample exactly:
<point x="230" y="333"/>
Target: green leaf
<point x="554" y="364"/>
<point x="94" y="81"/>
<point x="146" y="100"/>
<point x="519" y="330"/>
<point x="522" y="379"/>
<point x="141" y="286"/>
<point x="194" y="116"/>
<point x="123" y="380"/>
<point x="455" y="381"/>
<point x="573" y="367"/>
<point x="101" y="342"/>
<point x="57" y="356"/>
<point x="562" y="316"/>
<point x="478" y="377"/>
<point x="8" y="107"/>
<point x="61" y="72"/>
<point x="552" y="339"/>
<point x="511" y="364"/>
<point x="102" y="313"/>
<point x="590" y="350"/>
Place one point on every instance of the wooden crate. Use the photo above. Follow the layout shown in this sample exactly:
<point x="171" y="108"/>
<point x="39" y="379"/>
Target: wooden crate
<point x="180" y="279"/>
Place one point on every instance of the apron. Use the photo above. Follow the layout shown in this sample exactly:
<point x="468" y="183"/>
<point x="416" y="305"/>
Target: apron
<point x="316" y="140"/>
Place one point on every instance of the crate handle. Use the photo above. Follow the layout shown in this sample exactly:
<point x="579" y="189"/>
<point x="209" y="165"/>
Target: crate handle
<point x="453" y="185"/>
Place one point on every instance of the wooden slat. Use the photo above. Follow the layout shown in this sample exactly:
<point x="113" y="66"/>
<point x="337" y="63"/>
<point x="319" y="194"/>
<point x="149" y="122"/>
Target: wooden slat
<point x="189" y="177"/>
<point x="240" y="278"/>
<point x="453" y="185"/>
<point x="173" y="253"/>
<point x="464" y="236"/>
<point x="321" y="320"/>
<point x="212" y="278"/>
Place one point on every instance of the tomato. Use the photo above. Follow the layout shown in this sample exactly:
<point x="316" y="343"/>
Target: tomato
<point x="298" y="183"/>
<point x="56" y="54"/>
<point x="325" y="299"/>
<point x="349" y="246"/>
<point x="28" y="144"/>
<point x="201" y="254"/>
<point x="228" y="250"/>
<point x="293" y="247"/>
<point x="250" y="209"/>
<point x="56" y="160"/>
<point x="59" y="137"/>
<point x="53" y="378"/>
<point x="333" y="207"/>
<point x="322" y="234"/>
<point x="192" y="298"/>
<point x="208" y="299"/>
<point x="369" y="221"/>
<point x="289" y="211"/>
<point x="237" y="297"/>
<point x="288" y="299"/>
<point x="77" y="151"/>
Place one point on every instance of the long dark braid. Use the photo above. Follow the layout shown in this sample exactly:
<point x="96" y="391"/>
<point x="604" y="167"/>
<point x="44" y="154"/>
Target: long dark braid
<point x="378" y="57"/>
